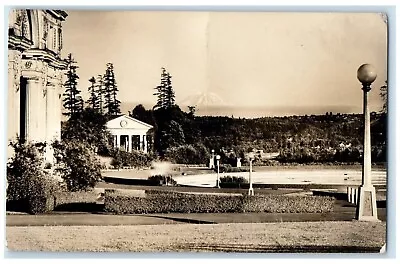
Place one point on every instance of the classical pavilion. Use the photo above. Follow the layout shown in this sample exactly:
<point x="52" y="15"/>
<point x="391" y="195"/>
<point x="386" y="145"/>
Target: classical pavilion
<point x="130" y="134"/>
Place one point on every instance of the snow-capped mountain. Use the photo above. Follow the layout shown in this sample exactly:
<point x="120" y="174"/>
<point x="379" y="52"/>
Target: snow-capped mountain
<point x="203" y="99"/>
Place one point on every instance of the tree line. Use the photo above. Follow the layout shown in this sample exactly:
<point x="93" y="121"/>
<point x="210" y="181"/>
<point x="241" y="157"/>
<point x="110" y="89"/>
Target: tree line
<point x="103" y="92"/>
<point x="181" y="134"/>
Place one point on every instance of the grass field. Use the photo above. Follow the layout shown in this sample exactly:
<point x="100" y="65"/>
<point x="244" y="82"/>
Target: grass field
<point x="233" y="237"/>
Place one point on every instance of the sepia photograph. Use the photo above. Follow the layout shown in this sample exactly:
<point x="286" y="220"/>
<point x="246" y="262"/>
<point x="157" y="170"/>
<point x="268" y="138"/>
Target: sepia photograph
<point x="149" y="131"/>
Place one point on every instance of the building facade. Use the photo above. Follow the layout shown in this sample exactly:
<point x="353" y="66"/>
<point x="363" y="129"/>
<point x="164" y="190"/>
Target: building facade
<point x="131" y="134"/>
<point x="35" y="76"/>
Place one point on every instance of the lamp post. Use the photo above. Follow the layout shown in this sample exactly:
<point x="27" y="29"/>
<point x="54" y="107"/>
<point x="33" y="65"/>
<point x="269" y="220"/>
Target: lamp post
<point x="366" y="206"/>
<point x="218" y="157"/>
<point x="211" y="165"/>
<point x="251" y="158"/>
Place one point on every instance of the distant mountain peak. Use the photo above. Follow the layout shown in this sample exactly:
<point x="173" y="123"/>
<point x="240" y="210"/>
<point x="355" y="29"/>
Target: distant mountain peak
<point x="203" y="99"/>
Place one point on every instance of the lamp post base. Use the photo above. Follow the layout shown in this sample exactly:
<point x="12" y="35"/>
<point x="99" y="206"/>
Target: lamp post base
<point x="217" y="184"/>
<point x="366" y="206"/>
<point x="251" y="191"/>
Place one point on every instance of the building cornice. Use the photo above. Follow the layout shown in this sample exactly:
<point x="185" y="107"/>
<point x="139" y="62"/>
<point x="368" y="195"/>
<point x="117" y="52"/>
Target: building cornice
<point x="46" y="55"/>
<point x="58" y="14"/>
<point x="18" y="42"/>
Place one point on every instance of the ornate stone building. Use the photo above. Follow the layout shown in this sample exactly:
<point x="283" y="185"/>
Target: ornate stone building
<point x="35" y="75"/>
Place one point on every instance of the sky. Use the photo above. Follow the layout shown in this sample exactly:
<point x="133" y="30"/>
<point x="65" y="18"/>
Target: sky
<point x="265" y="63"/>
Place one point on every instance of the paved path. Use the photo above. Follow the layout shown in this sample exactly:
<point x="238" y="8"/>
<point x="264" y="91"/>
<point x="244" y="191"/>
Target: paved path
<point x="290" y="176"/>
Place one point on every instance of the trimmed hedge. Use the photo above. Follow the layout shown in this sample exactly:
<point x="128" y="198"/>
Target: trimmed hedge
<point x="178" y="202"/>
<point x="76" y="197"/>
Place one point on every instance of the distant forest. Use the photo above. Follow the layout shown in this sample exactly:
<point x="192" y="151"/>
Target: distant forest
<point x="329" y="138"/>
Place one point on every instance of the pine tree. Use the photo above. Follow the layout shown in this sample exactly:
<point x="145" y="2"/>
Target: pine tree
<point x="71" y="102"/>
<point x="110" y="91"/>
<point x="169" y="92"/>
<point x="93" y="101"/>
<point x="100" y="93"/>
<point x="164" y="92"/>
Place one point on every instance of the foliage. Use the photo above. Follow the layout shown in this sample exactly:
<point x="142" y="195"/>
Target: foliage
<point x="307" y="139"/>
<point x="164" y="92"/>
<point x="89" y="126"/>
<point x="169" y="201"/>
<point x="288" y="204"/>
<point x="162" y="180"/>
<point x="140" y="113"/>
<point x="93" y="100"/>
<point x="72" y="102"/>
<point x="188" y="154"/>
<point x="384" y="95"/>
<point x="100" y="94"/>
<point x="136" y="159"/>
<point x="76" y="197"/>
<point x="28" y="181"/>
<point x="233" y="179"/>
<point x="170" y="135"/>
<point x="77" y="164"/>
<point x="110" y="92"/>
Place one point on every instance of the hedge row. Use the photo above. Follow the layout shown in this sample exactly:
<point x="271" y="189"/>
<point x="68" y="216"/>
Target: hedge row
<point x="76" y="197"/>
<point x="175" y="202"/>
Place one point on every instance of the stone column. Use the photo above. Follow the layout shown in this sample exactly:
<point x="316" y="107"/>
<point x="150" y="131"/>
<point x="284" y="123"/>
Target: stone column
<point x="32" y="108"/>
<point x="118" y="141"/>
<point x="130" y="143"/>
<point x="144" y="143"/>
<point x="13" y="96"/>
<point x="51" y="97"/>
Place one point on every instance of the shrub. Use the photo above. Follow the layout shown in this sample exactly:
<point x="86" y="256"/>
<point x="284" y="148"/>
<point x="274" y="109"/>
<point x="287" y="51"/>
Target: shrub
<point x="178" y="202"/>
<point x="287" y="204"/>
<point x="136" y="159"/>
<point x="161" y="180"/>
<point x="77" y="164"/>
<point x="233" y="179"/>
<point x="188" y="154"/>
<point x="228" y="168"/>
<point x="30" y="187"/>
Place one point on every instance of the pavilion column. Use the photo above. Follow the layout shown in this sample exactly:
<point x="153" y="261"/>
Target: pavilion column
<point x="118" y="141"/>
<point x="130" y="143"/>
<point x="144" y="144"/>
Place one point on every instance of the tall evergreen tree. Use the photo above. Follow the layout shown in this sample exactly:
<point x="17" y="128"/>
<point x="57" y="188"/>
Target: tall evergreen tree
<point x="93" y="101"/>
<point x="110" y="88"/>
<point x="100" y="93"/>
<point x="164" y="92"/>
<point x="169" y="92"/>
<point x="71" y="102"/>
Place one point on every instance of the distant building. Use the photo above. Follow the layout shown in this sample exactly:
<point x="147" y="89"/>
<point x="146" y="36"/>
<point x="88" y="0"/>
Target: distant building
<point x="35" y="76"/>
<point x="130" y="134"/>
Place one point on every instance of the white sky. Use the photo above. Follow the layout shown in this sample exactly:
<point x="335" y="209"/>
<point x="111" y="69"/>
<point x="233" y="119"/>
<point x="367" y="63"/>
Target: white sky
<point x="248" y="59"/>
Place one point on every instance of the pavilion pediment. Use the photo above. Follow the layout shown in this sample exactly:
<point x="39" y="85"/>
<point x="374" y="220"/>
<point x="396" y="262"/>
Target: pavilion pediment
<point x="127" y="122"/>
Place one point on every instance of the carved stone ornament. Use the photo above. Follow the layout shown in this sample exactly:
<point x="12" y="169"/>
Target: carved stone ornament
<point x="28" y="64"/>
<point x="123" y="123"/>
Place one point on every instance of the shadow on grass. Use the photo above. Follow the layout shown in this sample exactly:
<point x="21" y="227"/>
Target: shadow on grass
<point x="183" y="220"/>
<point x="278" y="249"/>
<point x="80" y="207"/>
<point x="17" y="206"/>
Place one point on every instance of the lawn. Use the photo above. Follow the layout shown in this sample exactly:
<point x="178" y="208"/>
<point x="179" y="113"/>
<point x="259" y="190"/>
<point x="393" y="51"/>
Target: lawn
<point x="232" y="237"/>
